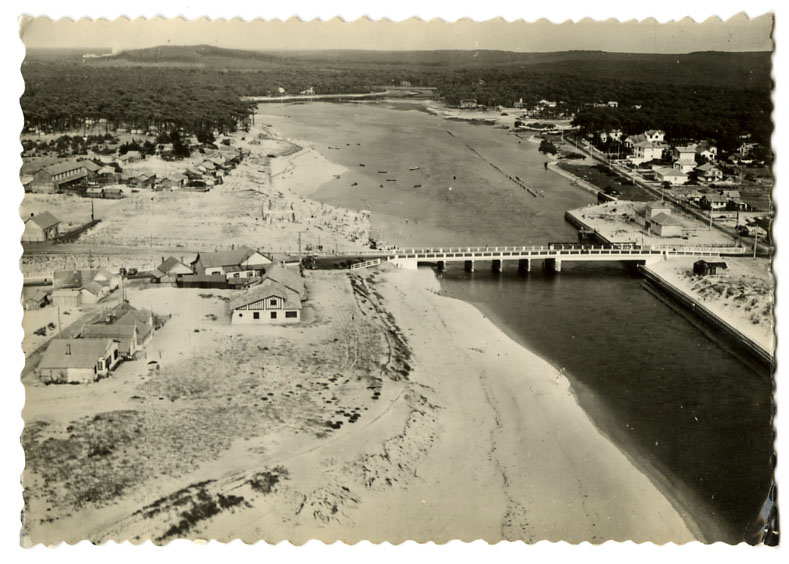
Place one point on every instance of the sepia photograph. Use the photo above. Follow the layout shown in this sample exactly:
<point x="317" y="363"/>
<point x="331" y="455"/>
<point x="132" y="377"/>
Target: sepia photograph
<point x="425" y="280"/>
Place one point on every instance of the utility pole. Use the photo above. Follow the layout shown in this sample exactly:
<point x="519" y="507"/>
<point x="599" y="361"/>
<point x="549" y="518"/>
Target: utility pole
<point x="92" y="218"/>
<point x="299" y="247"/>
<point x="755" y="239"/>
<point x="60" y="326"/>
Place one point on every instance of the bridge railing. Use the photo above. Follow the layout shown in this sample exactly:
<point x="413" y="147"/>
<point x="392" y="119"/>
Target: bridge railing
<point x="563" y="249"/>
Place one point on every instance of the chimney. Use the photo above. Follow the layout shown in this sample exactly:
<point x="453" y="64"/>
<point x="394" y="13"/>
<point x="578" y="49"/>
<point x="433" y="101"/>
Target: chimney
<point x="68" y="349"/>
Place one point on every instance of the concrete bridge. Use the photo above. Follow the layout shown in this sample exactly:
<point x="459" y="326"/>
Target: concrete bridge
<point x="552" y="255"/>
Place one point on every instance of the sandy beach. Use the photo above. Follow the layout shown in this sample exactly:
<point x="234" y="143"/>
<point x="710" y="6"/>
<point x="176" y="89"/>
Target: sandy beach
<point x="468" y="436"/>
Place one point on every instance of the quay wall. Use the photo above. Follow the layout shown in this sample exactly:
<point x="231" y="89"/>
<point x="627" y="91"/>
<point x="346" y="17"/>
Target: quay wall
<point x="690" y="303"/>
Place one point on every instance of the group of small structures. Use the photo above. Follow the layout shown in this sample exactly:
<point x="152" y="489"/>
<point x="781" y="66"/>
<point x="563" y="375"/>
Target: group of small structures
<point x="99" y="178"/>
<point x="268" y="293"/>
<point x="119" y="334"/>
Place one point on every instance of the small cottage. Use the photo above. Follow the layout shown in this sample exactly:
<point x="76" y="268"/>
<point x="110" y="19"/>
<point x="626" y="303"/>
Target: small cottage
<point x="40" y="228"/>
<point x="124" y="335"/>
<point x="705" y="268"/>
<point x="77" y="360"/>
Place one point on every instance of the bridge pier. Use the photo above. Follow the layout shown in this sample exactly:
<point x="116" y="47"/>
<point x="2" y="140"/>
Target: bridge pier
<point x="497" y="265"/>
<point x="441" y="265"/>
<point x="524" y="265"/>
<point x="553" y="265"/>
<point x="469" y="266"/>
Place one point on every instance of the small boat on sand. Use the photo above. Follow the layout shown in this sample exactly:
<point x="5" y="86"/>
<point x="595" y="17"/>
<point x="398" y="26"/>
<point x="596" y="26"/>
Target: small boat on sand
<point x="391" y="180"/>
<point x="417" y="185"/>
<point x="414" y="168"/>
<point x="381" y="172"/>
<point x="361" y="164"/>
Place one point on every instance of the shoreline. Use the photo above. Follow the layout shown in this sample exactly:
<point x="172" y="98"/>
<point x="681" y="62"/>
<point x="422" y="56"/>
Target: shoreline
<point x="542" y="373"/>
<point x="702" y="526"/>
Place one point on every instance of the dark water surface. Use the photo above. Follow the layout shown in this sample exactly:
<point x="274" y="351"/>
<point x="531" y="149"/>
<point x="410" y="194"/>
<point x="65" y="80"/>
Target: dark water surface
<point x="680" y="404"/>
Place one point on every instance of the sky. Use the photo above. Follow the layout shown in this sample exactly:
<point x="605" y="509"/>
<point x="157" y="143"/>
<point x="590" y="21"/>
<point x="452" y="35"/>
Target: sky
<point x="739" y="33"/>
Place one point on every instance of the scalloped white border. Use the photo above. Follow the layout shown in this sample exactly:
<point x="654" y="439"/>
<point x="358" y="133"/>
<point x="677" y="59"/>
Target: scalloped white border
<point x="12" y="395"/>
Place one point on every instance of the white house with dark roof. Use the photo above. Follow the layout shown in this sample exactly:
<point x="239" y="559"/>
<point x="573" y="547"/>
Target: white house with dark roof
<point x="708" y="172"/>
<point x="270" y="302"/>
<point x="77" y="360"/>
<point x="645" y="151"/>
<point x="41" y="227"/>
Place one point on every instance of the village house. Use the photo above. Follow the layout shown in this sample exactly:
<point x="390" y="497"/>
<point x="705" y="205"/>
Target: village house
<point x="708" y="172"/>
<point x="269" y="302"/>
<point x="689" y="195"/>
<point x="241" y="262"/>
<point x="70" y="175"/>
<point x="129" y="157"/>
<point x="704" y="268"/>
<point x="714" y="202"/>
<point x="40" y="228"/>
<point x="124" y="335"/>
<point x="671" y="176"/>
<point x="72" y="288"/>
<point x="684" y="158"/>
<point x="107" y="175"/>
<point x="146" y="180"/>
<point x="655" y="135"/>
<point x="145" y="321"/>
<point x="169" y="269"/>
<point x="92" y="169"/>
<point x="469" y="103"/>
<point x="652" y="209"/>
<point x="645" y="151"/>
<point x="706" y="151"/>
<point x="77" y="360"/>
<point x="35" y="297"/>
<point x="664" y="225"/>
<point x="631" y="140"/>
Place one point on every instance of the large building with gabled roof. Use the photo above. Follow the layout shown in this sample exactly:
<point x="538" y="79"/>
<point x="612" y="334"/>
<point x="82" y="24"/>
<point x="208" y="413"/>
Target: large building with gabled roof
<point x="241" y="262"/>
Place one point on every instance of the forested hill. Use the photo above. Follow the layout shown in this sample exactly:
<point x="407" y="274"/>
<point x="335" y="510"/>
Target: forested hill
<point x="710" y="68"/>
<point x="710" y="94"/>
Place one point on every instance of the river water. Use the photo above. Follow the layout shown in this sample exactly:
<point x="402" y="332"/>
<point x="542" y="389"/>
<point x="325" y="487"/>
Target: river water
<point x="693" y="415"/>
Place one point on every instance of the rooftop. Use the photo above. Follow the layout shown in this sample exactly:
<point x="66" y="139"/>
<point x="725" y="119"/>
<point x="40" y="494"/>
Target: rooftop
<point x="44" y="220"/>
<point x="74" y="353"/>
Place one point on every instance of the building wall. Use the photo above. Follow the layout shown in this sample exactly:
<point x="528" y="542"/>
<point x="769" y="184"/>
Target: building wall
<point x="66" y="375"/>
<point x="70" y="299"/>
<point x="33" y="233"/>
<point x="247" y="317"/>
<point x="667" y="230"/>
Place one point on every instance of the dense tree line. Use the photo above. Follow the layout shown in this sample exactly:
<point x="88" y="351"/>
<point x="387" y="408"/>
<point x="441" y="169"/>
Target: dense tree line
<point x="197" y="99"/>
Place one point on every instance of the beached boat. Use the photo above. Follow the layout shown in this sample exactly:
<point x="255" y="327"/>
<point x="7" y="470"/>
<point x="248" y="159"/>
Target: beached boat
<point x="414" y="168"/>
<point x="382" y="172"/>
<point x="417" y="185"/>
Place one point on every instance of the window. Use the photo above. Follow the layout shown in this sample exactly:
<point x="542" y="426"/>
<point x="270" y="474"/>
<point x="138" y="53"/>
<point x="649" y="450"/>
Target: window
<point x="256" y="315"/>
<point x="291" y="314"/>
<point x="273" y="315"/>
<point x="272" y="302"/>
<point x="101" y="364"/>
<point x="115" y="354"/>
